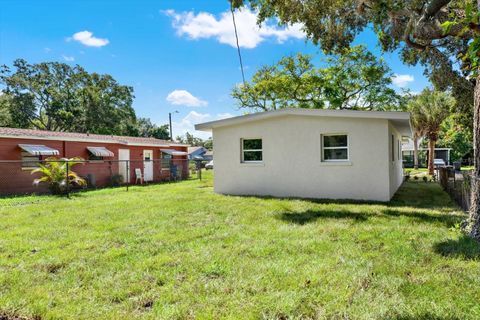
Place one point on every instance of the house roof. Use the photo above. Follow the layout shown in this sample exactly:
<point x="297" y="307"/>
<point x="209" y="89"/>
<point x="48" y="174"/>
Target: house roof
<point x="401" y="120"/>
<point x="194" y="149"/>
<point x="83" y="137"/>
<point x="408" y="146"/>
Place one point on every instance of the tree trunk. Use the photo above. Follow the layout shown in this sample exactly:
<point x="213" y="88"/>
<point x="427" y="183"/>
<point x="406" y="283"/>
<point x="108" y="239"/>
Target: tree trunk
<point x="431" y="156"/>
<point x="473" y="223"/>
<point x="415" y="151"/>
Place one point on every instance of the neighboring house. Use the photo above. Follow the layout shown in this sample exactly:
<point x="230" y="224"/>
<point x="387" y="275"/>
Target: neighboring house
<point x="199" y="153"/>
<point x="21" y="149"/>
<point x="310" y="153"/>
<point x="407" y="154"/>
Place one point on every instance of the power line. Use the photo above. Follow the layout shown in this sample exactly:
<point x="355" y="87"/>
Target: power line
<point x="238" y="45"/>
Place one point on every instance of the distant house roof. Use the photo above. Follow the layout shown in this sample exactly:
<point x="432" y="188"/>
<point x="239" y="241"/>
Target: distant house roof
<point x="83" y="137"/>
<point x="401" y="120"/>
<point x="408" y="146"/>
<point x="192" y="150"/>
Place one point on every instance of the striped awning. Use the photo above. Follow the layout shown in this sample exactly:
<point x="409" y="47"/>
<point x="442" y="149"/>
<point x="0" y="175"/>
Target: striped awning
<point x="100" y="151"/>
<point x="39" y="150"/>
<point x="174" y="152"/>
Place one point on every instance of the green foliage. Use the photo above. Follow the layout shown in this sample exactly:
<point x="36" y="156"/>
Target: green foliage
<point x="178" y="251"/>
<point x="148" y="129"/>
<point x="355" y="79"/>
<point x="54" y="174"/>
<point x="412" y="28"/>
<point x="195" y="141"/>
<point x="55" y="96"/>
<point x="454" y="135"/>
<point x="5" y="117"/>
<point x="429" y="110"/>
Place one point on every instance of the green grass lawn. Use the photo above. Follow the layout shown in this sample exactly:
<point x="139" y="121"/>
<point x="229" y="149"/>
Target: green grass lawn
<point x="179" y="251"/>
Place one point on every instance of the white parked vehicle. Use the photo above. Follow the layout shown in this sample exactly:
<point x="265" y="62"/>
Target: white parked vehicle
<point x="439" y="163"/>
<point x="209" y="165"/>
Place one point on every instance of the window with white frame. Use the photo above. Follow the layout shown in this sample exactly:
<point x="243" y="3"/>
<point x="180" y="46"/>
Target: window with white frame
<point x="252" y="150"/>
<point x="335" y="147"/>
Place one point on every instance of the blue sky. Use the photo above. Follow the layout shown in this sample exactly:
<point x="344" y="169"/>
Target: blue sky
<point x="177" y="55"/>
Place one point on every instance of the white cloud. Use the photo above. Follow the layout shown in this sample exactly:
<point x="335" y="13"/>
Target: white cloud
<point x="47" y="50"/>
<point x="87" y="38"/>
<point x="185" y="98"/>
<point x="187" y="124"/>
<point x="402" y="80"/>
<point x="68" y="58"/>
<point x="205" y="25"/>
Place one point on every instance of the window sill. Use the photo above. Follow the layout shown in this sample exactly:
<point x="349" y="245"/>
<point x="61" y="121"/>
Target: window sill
<point x="336" y="163"/>
<point x="252" y="164"/>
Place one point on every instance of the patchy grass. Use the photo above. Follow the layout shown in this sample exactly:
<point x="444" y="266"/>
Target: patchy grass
<point x="177" y="251"/>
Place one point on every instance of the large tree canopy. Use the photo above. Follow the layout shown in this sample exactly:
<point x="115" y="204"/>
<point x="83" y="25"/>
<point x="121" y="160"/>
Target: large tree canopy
<point x="354" y="80"/>
<point x="55" y="96"/>
<point x="416" y="27"/>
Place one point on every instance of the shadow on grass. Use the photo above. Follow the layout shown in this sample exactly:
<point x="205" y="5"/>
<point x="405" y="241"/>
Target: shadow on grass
<point x="464" y="248"/>
<point x="310" y="216"/>
<point x="446" y="218"/>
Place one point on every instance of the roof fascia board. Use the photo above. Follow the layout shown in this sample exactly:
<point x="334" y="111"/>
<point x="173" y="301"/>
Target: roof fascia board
<point x="207" y="126"/>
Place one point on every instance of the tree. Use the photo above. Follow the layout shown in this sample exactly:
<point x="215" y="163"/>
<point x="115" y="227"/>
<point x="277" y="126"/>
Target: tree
<point x="454" y="135"/>
<point x="55" y="96"/>
<point x="430" y="109"/>
<point x="417" y="130"/>
<point x="146" y="128"/>
<point x="442" y="35"/>
<point x="355" y="79"/>
<point x="5" y="118"/>
<point x="195" y="141"/>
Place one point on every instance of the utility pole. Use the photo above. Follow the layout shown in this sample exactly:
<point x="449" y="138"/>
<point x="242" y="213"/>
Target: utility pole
<point x="170" y="123"/>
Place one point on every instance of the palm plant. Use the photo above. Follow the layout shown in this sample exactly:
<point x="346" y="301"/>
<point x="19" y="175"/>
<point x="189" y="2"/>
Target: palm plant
<point x="418" y="130"/>
<point x="431" y="109"/>
<point x="58" y="175"/>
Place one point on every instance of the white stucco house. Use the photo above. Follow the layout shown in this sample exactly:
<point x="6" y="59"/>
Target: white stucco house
<point x="309" y="153"/>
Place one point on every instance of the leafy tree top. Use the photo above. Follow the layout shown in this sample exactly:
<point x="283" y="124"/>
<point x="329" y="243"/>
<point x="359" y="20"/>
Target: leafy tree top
<point x="440" y="34"/>
<point x="354" y="80"/>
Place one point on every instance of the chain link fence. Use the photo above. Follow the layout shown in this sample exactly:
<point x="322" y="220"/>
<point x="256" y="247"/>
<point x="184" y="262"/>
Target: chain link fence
<point x="458" y="184"/>
<point x="66" y="176"/>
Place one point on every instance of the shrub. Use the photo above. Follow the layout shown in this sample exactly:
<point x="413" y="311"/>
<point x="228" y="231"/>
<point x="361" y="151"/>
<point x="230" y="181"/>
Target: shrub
<point x="116" y="180"/>
<point x="425" y="179"/>
<point x="415" y="177"/>
<point x="54" y="173"/>
<point x="407" y="176"/>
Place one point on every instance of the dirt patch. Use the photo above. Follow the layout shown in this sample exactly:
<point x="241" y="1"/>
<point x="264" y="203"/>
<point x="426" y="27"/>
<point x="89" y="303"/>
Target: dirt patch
<point x="14" y="316"/>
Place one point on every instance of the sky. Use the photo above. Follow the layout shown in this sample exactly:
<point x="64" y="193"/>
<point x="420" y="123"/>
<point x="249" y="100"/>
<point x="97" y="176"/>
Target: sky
<point x="177" y="55"/>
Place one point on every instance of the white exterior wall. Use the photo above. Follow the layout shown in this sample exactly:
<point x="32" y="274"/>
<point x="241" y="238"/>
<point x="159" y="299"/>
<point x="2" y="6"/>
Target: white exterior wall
<point x="395" y="164"/>
<point x="292" y="165"/>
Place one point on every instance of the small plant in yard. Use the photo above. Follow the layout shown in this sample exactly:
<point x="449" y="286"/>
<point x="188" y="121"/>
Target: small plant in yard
<point x="407" y="177"/>
<point x="54" y="173"/>
<point x="425" y="179"/>
<point x="415" y="178"/>
<point x="116" y="180"/>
